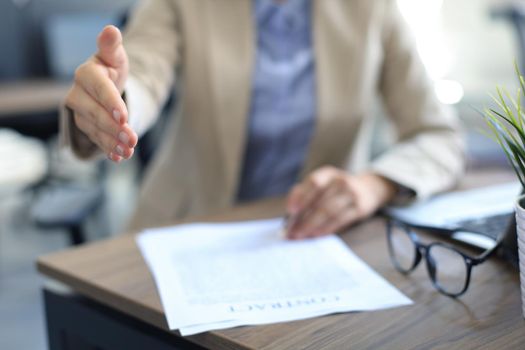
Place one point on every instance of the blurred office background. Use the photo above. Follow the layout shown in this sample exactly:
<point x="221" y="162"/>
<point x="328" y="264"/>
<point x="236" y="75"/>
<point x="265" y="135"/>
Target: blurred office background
<point x="48" y="200"/>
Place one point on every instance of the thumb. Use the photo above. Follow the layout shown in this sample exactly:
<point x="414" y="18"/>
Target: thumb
<point x="110" y="49"/>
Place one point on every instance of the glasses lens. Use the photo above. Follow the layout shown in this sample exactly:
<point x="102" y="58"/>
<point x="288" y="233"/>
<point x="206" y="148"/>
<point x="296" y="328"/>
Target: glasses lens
<point x="448" y="268"/>
<point x="402" y="249"/>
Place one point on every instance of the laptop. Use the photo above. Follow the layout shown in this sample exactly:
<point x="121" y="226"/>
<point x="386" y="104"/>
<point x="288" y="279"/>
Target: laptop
<point x="477" y="217"/>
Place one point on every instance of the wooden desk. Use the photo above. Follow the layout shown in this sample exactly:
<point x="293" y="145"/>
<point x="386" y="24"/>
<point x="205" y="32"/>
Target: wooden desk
<point x="34" y="96"/>
<point x="31" y="107"/>
<point x="488" y="316"/>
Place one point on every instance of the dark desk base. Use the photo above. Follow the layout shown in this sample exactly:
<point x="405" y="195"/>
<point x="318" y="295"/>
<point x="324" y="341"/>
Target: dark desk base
<point x="77" y="323"/>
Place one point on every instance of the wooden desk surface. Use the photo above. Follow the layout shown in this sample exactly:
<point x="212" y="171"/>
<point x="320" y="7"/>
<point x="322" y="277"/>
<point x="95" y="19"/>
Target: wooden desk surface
<point x="488" y="316"/>
<point x="32" y="96"/>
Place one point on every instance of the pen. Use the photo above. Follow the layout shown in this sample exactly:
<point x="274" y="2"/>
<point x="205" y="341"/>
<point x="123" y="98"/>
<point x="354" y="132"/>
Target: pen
<point x="289" y="220"/>
<point x="286" y="225"/>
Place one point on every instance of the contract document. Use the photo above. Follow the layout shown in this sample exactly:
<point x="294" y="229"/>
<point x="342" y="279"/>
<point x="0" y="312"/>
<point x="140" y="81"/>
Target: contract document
<point x="222" y="275"/>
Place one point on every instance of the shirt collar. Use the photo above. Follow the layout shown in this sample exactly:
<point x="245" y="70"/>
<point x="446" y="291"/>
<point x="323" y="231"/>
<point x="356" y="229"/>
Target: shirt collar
<point x="292" y="14"/>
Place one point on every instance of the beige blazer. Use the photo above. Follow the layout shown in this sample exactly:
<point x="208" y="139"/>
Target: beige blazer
<point x="206" y="49"/>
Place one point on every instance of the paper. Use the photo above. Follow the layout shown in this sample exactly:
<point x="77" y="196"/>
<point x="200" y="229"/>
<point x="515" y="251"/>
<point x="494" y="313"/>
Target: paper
<point x="215" y="276"/>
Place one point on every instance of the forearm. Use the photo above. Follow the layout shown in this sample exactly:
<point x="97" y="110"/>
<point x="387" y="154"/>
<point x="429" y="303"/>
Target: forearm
<point x="427" y="163"/>
<point x="428" y="156"/>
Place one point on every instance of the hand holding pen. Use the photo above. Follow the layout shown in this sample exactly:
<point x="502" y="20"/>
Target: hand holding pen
<point x="330" y="199"/>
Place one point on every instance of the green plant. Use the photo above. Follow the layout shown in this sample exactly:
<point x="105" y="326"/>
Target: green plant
<point x="507" y="125"/>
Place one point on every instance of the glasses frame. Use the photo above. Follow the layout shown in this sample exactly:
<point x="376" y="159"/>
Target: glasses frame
<point x="421" y="251"/>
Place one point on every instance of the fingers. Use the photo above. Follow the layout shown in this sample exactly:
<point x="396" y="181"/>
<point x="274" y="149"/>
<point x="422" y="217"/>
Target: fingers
<point x="85" y="105"/>
<point x="108" y="143"/>
<point x="333" y="210"/>
<point x="110" y="49"/>
<point x="95" y="80"/>
<point x="94" y="120"/>
<point x="115" y="158"/>
<point x="345" y="218"/>
<point x="330" y="199"/>
<point x="292" y="202"/>
<point x="303" y="195"/>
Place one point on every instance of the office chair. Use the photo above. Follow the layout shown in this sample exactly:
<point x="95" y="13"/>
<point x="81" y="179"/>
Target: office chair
<point x="67" y="205"/>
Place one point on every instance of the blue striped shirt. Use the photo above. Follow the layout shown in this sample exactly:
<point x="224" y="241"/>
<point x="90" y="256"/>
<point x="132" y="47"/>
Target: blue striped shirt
<point x="283" y="104"/>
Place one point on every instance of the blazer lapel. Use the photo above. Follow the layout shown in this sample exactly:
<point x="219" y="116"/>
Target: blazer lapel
<point x="232" y="42"/>
<point x="233" y="46"/>
<point x="337" y="86"/>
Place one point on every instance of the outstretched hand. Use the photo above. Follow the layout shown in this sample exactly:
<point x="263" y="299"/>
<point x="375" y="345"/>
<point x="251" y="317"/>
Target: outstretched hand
<point x="96" y="97"/>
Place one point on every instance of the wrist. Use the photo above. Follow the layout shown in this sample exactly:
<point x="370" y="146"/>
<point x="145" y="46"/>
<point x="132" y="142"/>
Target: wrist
<point x="381" y="188"/>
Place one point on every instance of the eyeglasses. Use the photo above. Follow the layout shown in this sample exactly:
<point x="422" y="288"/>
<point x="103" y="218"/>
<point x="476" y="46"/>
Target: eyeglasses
<point x="448" y="268"/>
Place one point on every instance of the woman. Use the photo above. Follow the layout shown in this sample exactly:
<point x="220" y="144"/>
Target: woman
<point x="270" y="94"/>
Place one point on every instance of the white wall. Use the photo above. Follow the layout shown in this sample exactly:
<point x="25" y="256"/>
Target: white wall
<point x="483" y="49"/>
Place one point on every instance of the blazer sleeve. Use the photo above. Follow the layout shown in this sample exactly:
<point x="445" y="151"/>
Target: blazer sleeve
<point x="152" y="42"/>
<point x="428" y="156"/>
